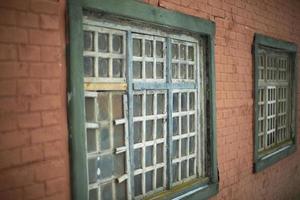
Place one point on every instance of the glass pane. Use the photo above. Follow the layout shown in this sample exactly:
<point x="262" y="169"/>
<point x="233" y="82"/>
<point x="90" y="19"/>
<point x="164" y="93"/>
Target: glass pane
<point x="149" y="104"/>
<point x="159" y="128"/>
<point x="90" y="109"/>
<point x="159" y="177"/>
<point x="88" y="66"/>
<point x="184" y="124"/>
<point x="191" y="71"/>
<point x="93" y="194"/>
<point x="175" y="70"/>
<point x="138" y="131"/>
<point x="149" y="130"/>
<point x="137" y="47"/>
<point x="121" y="191"/>
<point x="103" y="103"/>
<point x="149" y="181"/>
<point x="184" y="147"/>
<point x="175" y="149"/>
<point x="117" y="102"/>
<point x="119" y="135"/>
<point x="183" y="169"/>
<point x="119" y="164"/>
<point x="192" y="166"/>
<point x="191" y="53"/>
<point x="118" y="43"/>
<point x="103" y="67"/>
<point x="160" y="103"/>
<point x="183" y="73"/>
<point x="104" y="138"/>
<point x="106" y="192"/>
<point x="91" y="140"/>
<point x="88" y="40"/>
<point x="159" y="70"/>
<point x="149" y="156"/>
<point x="175" y="168"/>
<point x="175" y="102"/>
<point x="192" y="145"/>
<point x="192" y="123"/>
<point x="138" y="185"/>
<point x="159" y="49"/>
<point x="160" y="153"/>
<point x="192" y="100"/>
<point x="175" y="126"/>
<point x="182" y="52"/>
<point x="106" y="166"/>
<point x="92" y="168"/>
<point x="183" y="101"/>
<point x="138" y="158"/>
<point x="175" y="51"/>
<point x="117" y="68"/>
<point x="137" y="105"/>
<point x="149" y="69"/>
<point x="137" y="70"/>
<point x="103" y="42"/>
<point x="149" y="48"/>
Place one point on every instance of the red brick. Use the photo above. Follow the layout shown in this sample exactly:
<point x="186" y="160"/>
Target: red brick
<point x="49" y="22"/>
<point x="50" y="54"/>
<point x="16" y="194"/>
<point x="29" y="87"/>
<point x="8" y="122"/>
<point x="9" y="141"/>
<point x="8" y="52"/>
<point x="47" y="134"/>
<point x="27" y="19"/>
<point x="13" y="35"/>
<point x="16" y="4"/>
<point x="55" y="186"/>
<point x="29" y="53"/>
<point x="45" y="102"/>
<point x="29" y="120"/>
<point x="48" y="7"/>
<point x="10" y="158"/>
<point x="50" y="86"/>
<point x="50" y="117"/>
<point x="44" y="37"/>
<point x="43" y="70"/>
<point x="49" y="170"/>
<point x="32" y="153"/>
<point x="34" y="191"/>
<point x="53" y="149"/>
<point x="59" y="196"/>
<point x="13" y="69"/>
<point x="7" y="87"/>
<point x="7" y="17"/>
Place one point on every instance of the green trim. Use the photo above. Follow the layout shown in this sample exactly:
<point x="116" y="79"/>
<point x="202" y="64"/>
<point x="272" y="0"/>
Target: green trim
<point x="261" y="163"/>
<point x="274" y="43"/>
<point x="76" y="114"/>
<point x="128" y="9"/>
<point x="145" y="12"/>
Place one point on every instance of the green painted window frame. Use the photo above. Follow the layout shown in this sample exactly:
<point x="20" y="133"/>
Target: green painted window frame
<point x="262" y="162"/>
<point x="135" y="10"/>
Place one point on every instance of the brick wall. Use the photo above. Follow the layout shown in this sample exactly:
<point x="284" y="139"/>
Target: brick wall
<point x="236" y="23"/>
<point x="33" y="130"/>
<point x="33" y="127"/>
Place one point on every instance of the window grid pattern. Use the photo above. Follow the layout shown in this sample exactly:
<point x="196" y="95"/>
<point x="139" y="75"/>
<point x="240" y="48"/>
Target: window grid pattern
<point x="104" y="54"/>
<point x="273" y="104"/>
<point x="106" y="148"/>
<point x="184" y="135"/>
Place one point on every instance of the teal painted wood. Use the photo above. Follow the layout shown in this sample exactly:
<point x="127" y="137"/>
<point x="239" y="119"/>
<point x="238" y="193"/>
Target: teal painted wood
<point x="262" y="40"/>
<point x="145" y="12"/>
<point x="170" y="119"/>
<point x="130" y="109"/>
<point x="274" y="43"/>
<point x="76" y="115"/>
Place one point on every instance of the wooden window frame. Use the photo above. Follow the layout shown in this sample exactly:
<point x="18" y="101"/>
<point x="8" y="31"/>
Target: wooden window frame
<point x="268" y="159"/>
<point x="132" y="10"/>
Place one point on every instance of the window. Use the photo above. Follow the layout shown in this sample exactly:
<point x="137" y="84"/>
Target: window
<point x="275" y="100"/>
<point x="142" y="112"/>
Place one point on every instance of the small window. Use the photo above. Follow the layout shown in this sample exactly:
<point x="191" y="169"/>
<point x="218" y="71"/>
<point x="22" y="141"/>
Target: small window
<point x="142" y="110"/>
<point x="275" y="100"/>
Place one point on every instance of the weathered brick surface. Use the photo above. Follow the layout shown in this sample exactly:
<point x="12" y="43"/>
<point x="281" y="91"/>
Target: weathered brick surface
<point x="236" y="22"/>
<point x="33" y="127"/>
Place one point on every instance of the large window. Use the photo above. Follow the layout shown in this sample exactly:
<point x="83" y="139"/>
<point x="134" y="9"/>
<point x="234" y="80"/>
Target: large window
<point x="142" y="112"/>
<point x="275" y="99"/>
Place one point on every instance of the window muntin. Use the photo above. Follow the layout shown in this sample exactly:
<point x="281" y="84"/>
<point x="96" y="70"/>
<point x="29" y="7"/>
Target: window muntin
<point x="150" y="115"/>
<point x="274" y="99"/>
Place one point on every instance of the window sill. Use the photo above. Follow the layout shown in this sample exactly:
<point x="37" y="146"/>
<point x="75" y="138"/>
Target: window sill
<point x="197" y="189"/>
<point x="274" y="157"/>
